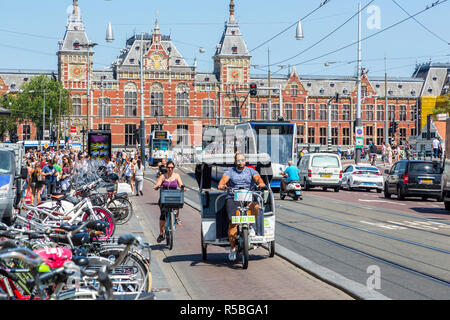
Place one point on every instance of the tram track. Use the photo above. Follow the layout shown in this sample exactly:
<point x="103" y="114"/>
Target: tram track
<point x="361" y="252"/>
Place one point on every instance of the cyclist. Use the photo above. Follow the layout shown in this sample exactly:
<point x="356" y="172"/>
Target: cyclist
<point x="290" y="174"/>
<point x="237" y="177"/>
<point x="372" y="152"/>
<point x="169" y="180"/>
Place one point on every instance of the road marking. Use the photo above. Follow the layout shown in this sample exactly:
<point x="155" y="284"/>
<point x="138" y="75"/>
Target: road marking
<point x="365" y="200"/>
<point x="385" y="226"/>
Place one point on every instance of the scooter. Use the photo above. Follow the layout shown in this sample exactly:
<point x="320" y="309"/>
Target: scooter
<point x="293" y="190"/>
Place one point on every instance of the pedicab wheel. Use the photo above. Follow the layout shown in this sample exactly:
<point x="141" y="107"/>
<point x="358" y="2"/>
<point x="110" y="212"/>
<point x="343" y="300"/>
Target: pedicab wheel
<point x="296" y="198"/>
<point x="271" y="248"/>
<point x="245" y="247"/>
<point x="203" y="247"/>
<point x="282" y="195"/>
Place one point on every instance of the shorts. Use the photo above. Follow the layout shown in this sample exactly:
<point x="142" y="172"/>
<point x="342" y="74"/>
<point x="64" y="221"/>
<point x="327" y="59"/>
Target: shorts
<point x="127" y="179"/>
<point x="231" y="207"/>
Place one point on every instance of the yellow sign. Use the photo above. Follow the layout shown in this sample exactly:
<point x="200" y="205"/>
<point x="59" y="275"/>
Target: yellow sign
<point x="46" y="145"/>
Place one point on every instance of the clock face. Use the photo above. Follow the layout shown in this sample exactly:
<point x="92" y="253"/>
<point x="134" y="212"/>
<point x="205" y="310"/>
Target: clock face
<point x="234" y="75"/>
<point x="76" y="72"/>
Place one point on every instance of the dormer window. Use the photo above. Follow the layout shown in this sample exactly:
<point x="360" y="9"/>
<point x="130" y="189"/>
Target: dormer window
<point x="322" y="90"/>
<point x="377" y="85"/>
<point x="234" y="50"/>
<point x="332" y="84"/>
<point x="131" y="60"/>
<point x="76" y="45"/>
<point x="233" y="32"/>
<point x="13" y="86"/>
<point x="178" y="61"/>
<point x="345" y="91"/>
<point x="430" y="89"/>
<point x="206" y="79"/>
<point x="137" y="48"/>
<point x="390" y="91"/>
<point x="308" y="84"/>
<point x="25" y="79"/>
<point x="400" y="86"/>
<point x="413" y="92"/>
<point x="434" y="78"/>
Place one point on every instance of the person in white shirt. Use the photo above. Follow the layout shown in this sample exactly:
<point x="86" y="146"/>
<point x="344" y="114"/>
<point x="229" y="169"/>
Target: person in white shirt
<point x="436" y="143"/>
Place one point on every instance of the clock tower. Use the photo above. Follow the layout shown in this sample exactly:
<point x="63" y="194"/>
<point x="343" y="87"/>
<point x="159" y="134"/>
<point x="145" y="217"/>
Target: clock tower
<point x="72" y="56"/>
<point x="232" y="59"/>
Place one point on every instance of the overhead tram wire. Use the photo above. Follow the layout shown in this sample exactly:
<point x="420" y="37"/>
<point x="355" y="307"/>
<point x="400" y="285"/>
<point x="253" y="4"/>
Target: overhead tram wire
<point x="328" y="35"/>
<point x="422" y="25"/>
<point x="286" y="29"/>
<point x="435" y="4"/>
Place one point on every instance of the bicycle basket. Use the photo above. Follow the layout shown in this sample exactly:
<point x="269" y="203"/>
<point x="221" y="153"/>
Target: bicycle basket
<point x="172" y="198"/>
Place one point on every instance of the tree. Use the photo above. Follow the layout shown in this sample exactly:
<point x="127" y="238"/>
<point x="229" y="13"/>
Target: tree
<point x="442" y="104"/>
<point x="29" y="102"/>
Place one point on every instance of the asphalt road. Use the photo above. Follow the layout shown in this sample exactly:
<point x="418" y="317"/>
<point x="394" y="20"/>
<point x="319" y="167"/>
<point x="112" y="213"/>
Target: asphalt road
<point x="401" y="249"/>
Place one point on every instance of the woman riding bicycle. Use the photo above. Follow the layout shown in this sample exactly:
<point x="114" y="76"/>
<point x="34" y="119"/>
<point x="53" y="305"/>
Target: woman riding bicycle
<point x="169" y="180"/>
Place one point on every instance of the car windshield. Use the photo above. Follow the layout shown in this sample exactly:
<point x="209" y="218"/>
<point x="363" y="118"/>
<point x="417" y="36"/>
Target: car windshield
<point x="6" y="162"/>
<point x="424" y="168"/>
<point x="368" y="170"/>
<point x="325" y="161"/>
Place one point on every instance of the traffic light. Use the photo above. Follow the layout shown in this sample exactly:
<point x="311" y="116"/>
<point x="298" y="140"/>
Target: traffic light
<point x="253" y="89"/>
<point x="391" y="128"/>
<point x="395" y="126"/>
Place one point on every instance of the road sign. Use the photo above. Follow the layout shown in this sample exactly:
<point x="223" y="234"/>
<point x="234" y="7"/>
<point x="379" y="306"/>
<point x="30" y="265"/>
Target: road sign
<point x="359" y="142"/>
<point x="73" y="129"/>
<point x="69" y="141"/>
<point x="46" y="145"/>
<point x="359" y="132"/>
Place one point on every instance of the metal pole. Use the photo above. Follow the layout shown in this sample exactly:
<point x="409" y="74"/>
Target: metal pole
<point x="59" y="121"/>
<point x="88" y="85"/>
<point x="142" y="124"/>
<point x="358" y="81"/>
<point x="270" y="92"/>
<point x="329" y="124"/>
<point x="43" y="121"/>
<point x="386" y="138"/>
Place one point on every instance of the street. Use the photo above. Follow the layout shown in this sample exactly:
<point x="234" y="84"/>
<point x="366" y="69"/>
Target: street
<point x="351" y="234"/>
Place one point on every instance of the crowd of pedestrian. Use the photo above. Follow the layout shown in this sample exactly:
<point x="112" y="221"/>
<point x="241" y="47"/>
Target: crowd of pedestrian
<point x="51" y="171"/>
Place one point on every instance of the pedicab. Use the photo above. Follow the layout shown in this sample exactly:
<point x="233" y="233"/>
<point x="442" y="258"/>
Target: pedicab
<point x="215" y="221"/>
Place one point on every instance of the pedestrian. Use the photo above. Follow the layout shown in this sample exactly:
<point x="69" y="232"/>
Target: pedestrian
<point x="435" y="145"/>
<point x="128" y="172"/>
<point x="389" y="154"/>
<point x="139" y="177"/>
<point x="37" y="182"/>
<point x="66" y="174"/>
<point x="50" y="173"/>
<point x="383" y="153"/>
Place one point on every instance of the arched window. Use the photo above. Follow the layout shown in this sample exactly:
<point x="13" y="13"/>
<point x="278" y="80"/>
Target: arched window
<point x="130" y="102"/>
<point x="182" y="91"/>
<point x="156" y="100"/>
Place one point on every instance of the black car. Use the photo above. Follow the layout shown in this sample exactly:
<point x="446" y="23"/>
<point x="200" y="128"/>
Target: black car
<point x="414" y="178"/>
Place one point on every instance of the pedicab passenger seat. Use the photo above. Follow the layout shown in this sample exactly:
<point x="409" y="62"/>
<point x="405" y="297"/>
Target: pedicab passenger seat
<point x="208" y="200"/>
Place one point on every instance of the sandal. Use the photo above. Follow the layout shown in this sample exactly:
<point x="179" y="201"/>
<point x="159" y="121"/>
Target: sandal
<point x="178" y="222"/>
<point x="160" y="238"/>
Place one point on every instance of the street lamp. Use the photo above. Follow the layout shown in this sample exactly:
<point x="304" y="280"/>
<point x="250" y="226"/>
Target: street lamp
<point x="88" y="46"/>
<point x="43" y="114"/>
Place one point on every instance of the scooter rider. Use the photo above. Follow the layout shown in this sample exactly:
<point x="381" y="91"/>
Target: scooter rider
<point x="237" y="177"/>
<point x="290" y="174"/>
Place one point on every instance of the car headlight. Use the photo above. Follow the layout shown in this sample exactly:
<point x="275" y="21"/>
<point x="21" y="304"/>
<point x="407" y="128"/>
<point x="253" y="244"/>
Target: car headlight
<point x="4" y="191"/>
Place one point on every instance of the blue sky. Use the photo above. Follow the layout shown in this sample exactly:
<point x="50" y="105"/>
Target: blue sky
<point x="30" y="30"/>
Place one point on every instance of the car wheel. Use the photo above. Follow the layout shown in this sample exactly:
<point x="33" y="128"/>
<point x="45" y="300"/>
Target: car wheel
<point x="386" y="193"/>
<point x="325" y="188"/>
<point x="424" y="198"/>
<point x="439" y="199"/>
<point x="447" y="205"/>
<point x="400" y="194"/>
<point x="349" y="188"/>
<point x="306" y="185"/>
<point x="336" y="189"/>
<point x="379" y="190"/>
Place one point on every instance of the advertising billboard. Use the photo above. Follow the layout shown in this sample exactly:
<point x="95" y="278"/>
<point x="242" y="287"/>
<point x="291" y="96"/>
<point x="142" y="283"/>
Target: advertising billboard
<point x="99" y="144"/>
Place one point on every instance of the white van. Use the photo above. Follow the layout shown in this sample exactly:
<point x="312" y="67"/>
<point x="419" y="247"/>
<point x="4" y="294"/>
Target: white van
<point x="321" y="170"/>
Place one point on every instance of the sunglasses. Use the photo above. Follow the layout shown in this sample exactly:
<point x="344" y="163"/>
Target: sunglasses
<point x="240" y="160"/>
<point x="170" y="167"/>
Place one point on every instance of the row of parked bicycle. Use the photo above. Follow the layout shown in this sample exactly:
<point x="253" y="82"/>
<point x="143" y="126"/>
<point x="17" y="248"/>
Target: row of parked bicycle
<point x="63" y="248"/>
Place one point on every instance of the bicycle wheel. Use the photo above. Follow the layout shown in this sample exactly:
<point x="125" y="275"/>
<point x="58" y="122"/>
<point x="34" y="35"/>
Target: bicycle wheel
<point x="245" y="247"/>
<point x="122" y="209"/>
<point x="169" y="229"/>
<point x="131" y="275"/>
<point x="105" y="215"/>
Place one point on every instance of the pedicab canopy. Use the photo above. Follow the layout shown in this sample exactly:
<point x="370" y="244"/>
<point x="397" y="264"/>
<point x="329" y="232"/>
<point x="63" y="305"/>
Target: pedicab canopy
<point x="259" y="161"/>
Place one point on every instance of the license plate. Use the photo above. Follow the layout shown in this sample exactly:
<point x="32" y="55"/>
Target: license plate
<point x="242" y="195"/>
<point x="325" y="175"/>
<point x="368" y="183"/>
<point x="426" y="181"/>
<point x="242" y="219"/>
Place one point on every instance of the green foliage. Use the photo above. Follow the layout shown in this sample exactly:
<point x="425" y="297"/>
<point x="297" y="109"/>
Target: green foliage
<point x="28" y="103"/>
<point x="442" y="104"/>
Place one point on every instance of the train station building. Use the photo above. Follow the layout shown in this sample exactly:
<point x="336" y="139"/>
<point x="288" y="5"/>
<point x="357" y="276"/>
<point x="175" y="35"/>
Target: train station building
<point x="182" y="99"/>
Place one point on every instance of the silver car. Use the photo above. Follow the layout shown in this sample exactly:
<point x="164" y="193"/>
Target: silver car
<point x="362" y="177"/>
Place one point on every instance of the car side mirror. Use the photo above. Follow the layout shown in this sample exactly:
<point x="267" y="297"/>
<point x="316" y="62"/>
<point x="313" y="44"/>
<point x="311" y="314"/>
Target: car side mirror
<point x="386" y="171"/>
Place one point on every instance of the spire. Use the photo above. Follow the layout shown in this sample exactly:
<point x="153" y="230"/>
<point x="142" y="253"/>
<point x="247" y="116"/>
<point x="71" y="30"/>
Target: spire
<point x="156" y="32"/>
<point x="74" y="21"/>
<point x="232" y="21"/>
<point x="75" y="8"/>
